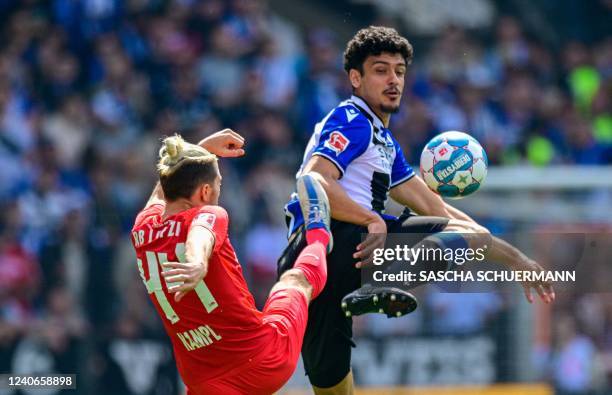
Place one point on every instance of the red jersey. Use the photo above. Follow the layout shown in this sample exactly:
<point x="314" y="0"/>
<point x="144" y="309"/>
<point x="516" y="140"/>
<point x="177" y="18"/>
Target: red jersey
<point x="216" y="328"/>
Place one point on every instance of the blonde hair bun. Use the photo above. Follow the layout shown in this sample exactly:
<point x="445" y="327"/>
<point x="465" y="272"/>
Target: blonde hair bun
<point x="175" y="152"/>
<point x="173" y="146"/>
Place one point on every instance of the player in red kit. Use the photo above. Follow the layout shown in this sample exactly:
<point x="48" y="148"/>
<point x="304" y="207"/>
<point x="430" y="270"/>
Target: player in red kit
<point x="222" y="343"/>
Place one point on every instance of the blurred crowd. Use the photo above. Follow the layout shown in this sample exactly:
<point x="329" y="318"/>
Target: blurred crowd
<point x="88" y="87"/>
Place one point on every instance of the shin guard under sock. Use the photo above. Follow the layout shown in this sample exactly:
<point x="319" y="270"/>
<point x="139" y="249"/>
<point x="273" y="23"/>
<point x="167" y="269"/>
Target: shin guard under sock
<point x="313" y="264"/>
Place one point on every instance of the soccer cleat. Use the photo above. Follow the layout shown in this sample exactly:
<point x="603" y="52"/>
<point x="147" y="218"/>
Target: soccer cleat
<point x="393" y="302"/>
<point x="314" y="205"/>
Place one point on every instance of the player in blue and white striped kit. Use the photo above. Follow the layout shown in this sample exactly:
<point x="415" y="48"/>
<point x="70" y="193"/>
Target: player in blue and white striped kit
<point x="361" y="165"/>
<point x="351" y="134"/>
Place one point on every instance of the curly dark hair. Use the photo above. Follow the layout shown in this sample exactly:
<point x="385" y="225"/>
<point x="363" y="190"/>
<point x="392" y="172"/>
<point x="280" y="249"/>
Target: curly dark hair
<point x="375" y="40"/>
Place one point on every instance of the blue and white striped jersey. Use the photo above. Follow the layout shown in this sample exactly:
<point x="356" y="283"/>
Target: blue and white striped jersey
<point x="369" y="159"/>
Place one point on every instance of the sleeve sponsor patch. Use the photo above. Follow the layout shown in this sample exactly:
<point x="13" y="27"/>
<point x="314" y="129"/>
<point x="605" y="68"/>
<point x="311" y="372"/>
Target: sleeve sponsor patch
<point x="337" y="142"/>
<point x="206" y="220"/>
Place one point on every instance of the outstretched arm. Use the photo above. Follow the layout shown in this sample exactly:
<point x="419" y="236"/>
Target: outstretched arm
<point x="503" y="252"/>
<point x="415" y="194"/>
<point x="225" y="143"/>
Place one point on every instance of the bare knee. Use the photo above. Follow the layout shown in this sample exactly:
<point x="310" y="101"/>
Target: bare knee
<point x="476" y="235"/>
<point x="295" y="279"/>
<point x="458" y="225"/>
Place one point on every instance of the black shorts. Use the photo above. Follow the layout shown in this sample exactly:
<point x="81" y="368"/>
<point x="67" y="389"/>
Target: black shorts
<point x="328" y="340"/>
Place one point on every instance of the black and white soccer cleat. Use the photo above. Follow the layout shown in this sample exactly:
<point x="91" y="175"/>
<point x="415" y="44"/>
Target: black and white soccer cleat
<point x="391" y="301"/>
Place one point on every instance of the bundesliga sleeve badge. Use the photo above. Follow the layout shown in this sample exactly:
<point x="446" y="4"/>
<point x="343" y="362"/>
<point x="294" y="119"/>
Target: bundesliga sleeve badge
<point x="337" y="142"/>
<point x="206" y="220"/>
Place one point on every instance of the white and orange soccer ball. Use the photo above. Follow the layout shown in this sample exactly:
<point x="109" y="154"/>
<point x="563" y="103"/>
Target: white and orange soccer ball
<point x="453" y="164"/>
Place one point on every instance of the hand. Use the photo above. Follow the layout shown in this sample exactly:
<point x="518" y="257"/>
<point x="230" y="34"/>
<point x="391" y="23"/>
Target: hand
<point x="543" y="288"/>
<point x="188" y="275"/>
<point x="225" y="143"/>
<point x="377" y="234"/>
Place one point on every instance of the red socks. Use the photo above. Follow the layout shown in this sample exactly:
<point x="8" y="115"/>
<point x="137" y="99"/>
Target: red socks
<point x="312" y="262"/>
<point x="319" y="234"/>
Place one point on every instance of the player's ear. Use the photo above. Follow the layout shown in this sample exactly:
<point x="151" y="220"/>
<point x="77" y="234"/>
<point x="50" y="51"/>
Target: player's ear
<point x="201" y="194"/>
<point x="206" y="192"/>
<point x="355" y="78"/>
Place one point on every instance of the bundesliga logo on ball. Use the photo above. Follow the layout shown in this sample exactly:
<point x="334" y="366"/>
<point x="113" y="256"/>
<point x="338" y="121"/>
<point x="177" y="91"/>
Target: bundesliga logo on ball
<point x="453" y="164"/>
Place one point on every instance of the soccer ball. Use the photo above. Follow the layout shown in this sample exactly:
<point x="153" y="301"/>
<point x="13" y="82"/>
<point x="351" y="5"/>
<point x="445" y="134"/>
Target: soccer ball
<point x="453" y="164"/>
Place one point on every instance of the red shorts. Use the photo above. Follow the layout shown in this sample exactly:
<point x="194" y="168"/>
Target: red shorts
<point x="285" y="318"/>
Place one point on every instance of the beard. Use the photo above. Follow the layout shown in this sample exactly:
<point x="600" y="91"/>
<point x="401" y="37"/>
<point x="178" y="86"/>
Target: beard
<point x="390" y="109"/>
